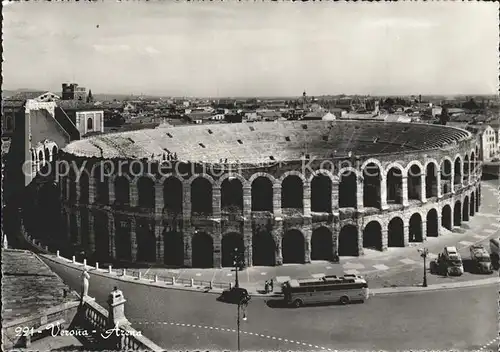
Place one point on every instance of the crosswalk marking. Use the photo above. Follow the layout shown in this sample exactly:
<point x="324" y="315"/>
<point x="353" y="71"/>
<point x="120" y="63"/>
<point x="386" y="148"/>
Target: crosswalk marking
<point x="381" y="267"/>
<point x="349" y="265"/>
<point x="489" y="231"/>
<point x="407" y="261"/>
<point x="466" y="243"/>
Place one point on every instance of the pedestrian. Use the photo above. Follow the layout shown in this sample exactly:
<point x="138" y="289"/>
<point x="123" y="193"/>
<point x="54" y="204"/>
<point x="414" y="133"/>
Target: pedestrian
<point x="266" y="287"/>
<point x="271" y="285"/>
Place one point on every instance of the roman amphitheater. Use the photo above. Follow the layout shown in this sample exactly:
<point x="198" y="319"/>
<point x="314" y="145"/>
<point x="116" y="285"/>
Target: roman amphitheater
<point x="285" y="192"/>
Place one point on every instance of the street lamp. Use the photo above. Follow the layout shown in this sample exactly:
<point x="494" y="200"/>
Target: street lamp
<point x="423" y="253"/>
<point x="238" y="262"/>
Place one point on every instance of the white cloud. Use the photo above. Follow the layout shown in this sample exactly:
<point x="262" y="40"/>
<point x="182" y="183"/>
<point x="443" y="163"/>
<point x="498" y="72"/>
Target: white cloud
<point x="113" y="48"/>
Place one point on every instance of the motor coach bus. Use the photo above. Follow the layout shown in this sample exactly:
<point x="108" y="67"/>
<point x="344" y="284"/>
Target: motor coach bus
<point x="328" y="289"/>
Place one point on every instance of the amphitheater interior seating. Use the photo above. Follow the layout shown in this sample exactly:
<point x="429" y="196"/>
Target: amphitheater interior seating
<point x="266" y="141"/>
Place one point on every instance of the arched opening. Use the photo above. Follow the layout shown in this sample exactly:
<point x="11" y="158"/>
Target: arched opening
<point x="101" y="230"/>
<point x="321" y="244"/>
<point x="446" y="217"/>
<point x="101" y="185"/>
<point x="478" y="197"/>
<point x="146" y="190"/>
<point x="84" y="188"/>
<point x="47" y="213"/>
<point x="321" y="194"/>
<point x="472" y="204"/>
<point x="263" y="249"/>
<point x="231" y="242"/>
<point x="72" y="185"/>
<point x="47" y="155"/>
<point x="201" y="196"/>
<point x="85" y="230"/>
<point x="262" y="194"/>
<point x="348" y="189"/>
<point x="394" y="186"/>
<point x="372" y="236"/>
<point x="446" y="176"/>
<point x="371" y="186"/>
<point x="172" y="195"/>
<point x="202" y="250"/>
<point x="348" y="241"/>
<point x="395" y="233"/>
<point x="414" y="182"/>
<point x="466" y="169"/>
<point x="122" y="191"/>
<point x="415" y="229"/>
<point x="54" y="153"/>
<point x="90" y="124"/>
<point x="232" y="196"/>
<point x="431" y="189"/>
<point x="458" y="171"/>
<point x="73" y="228"/>
<point x="292" y="192"/>
<point x="146" y="241"/>
<point x="465" y="209"/>
<point x="293" y="247"/>
<point x="40" y="157"/>
<point x="173" y="253"/>
<point x="123" y="245"/>
<point x="457" y="214"/>
<point x="432" y="223"/>
<point x="472" y="167"/>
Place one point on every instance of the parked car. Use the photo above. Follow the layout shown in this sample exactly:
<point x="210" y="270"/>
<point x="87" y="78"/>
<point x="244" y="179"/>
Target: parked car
<point x="448" y="263"/>
<point x="235" y="295"/>
<point x="481" y="259"/>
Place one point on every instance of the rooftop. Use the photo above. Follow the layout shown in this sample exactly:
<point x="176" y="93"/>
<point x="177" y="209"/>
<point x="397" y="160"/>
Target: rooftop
<point x="262" y="142"/>
<point x="28" y="286"/>
<point x="69" y="105"/>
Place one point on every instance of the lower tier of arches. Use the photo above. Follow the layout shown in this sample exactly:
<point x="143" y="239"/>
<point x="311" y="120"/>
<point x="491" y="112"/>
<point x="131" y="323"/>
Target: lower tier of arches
<point x="105" y="236"/>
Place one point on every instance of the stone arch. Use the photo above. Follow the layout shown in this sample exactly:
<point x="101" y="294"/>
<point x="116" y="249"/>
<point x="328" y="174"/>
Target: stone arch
<point x="446" y="169"/>
<point x="478" y="198"/>
<point x="414" y="172"/>
<point x="263" y="249"/>
<point x="230" y="242"/>
<point x="294" y="173"/>
<point x="371" y="161"/>
<point x="372" y="235"/>
<point x="146" y="240"/>
<point x="457" y="166"/>
<point x="472" y="204"/>
<point x="431" y="177"/>
<point x="122" y="190"/>
<point x="173" y="251"/>
<point x="348" y="241"/>
<point x="262" y="194"/>
<point x="47" y="154"/>
<point x="201" y="196"/>
<point x="262" y="174"/>
<point x="473" y="161"/>
<point x="372" y="178"/>
<point x="90" y="124"/>
<point x="232" y="195"/>
<point x="292" y="191"/>
<point x="322" y="244"/>
<point x="321" y="193"/>
<point x="101" y="182"/>
<point x="466" y="169"/>
<point x="146" y="192"/>
<point x="234" y="175"/>
<point x="202" y="246"/>
<point x="323" y="172"/>
<point x="432" y="224"/>
<point x="84" y="187"/>
<point x="394" y="181"/>
<point x="198" y="176"/>
<point x="415" y="233"/>
<point x="172" y="194"/>
<point x="465" y="209"/>
<point x="293" y="247"/>
<point x="395" y="232"/>
<point x="457" y="213"/>
<point x="54" y="152"/>
<point x="348" y="187"/>
<point x="123" y="242"/>
<point x="446" y="220"/>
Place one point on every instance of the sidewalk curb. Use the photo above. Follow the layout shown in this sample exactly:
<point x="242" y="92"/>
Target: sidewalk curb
<point x="217" y="291"/>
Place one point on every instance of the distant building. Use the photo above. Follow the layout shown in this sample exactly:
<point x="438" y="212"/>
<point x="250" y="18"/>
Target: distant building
<point x="488" y="139"/>
<point x="73" y="92"/>
<point x="84" y="116"/>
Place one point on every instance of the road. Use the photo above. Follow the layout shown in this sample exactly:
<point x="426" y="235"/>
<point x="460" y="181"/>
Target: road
<point x="463" y="319"/>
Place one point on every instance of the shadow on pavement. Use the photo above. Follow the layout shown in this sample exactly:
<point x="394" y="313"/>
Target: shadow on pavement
<point x="281" y="303"/>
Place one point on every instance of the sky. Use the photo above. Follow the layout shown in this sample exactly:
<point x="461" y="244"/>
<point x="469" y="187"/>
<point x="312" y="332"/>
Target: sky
<point x="216" y="49"/>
